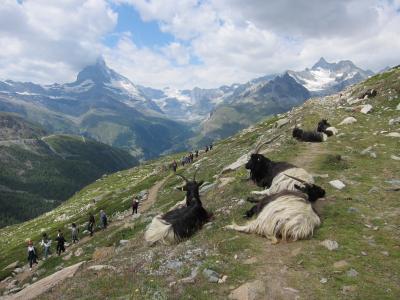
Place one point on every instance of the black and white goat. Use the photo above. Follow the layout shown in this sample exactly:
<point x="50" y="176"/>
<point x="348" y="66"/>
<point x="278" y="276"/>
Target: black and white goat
<point x="287" y="215"/>
<point x="325" y="127"/>
<point x="272" y="175"/>
<point x="182" y="222"/>
<point x="309" y="136"/>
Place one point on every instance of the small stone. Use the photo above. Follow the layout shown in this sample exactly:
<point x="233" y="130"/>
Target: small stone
<point x="366" y="108"/>
<point x="374" y="189"/>
<point x="348" y="120"/>
<point x="341" y="264"/>
<point x="398" y="107"/>
<point x="363" y="253"/>
<point x="385" y="253"/>
<point x="330" y="245"/>
<point x="18" y="270"/>
<point x="241" y="202"/>
<point x="123" y="242"/>
<point x="337" y="184"/>
<point x="223" y="279"/>
<point x="174" y="265"/>
<point x="393" y="134"/>
<point x="352" y="210"/>
<point x="373" y="155"/>
<point x="347" y="289"/>
<point x="78" y="252"/>
<point x="352" y="273"/>
<point x="394" y="157"/>
<point x="282" y="122"/>
<point x="323" y="280"/>
<point x="211" y="275"/>
<point x="394" y="121"/>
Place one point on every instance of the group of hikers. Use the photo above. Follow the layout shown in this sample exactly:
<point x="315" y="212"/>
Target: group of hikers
<point x="189" y="158"/>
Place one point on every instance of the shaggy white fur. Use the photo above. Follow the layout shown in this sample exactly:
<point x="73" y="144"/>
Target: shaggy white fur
<point x="333" y="130"/>
<point x="324" y="137"/>
<point x="159" y="230"/>
<point x="281" y="182"/>
<point x="289" y="217"/>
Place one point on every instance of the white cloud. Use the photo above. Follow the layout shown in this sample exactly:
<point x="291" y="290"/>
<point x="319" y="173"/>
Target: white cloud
<point x="47" y="41"/>
<point x="216" y="41"/>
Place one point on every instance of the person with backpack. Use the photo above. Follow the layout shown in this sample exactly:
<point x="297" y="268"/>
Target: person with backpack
<point x="174" y="166"/>
<point x="135" y="205"/>
<point x="32" y="255"/>
<point x="60" y="243"/>
<point x="46" y="243"/>
<point x="91" y="224"/>
<point x="103" y="219"/>
<point x="74" y="233"/>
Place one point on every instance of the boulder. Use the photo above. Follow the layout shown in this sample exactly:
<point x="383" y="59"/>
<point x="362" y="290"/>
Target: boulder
<point x="348" y="121"/>
<point x="366" y="108"/>
<point x="248" y="291"/>
<point x="337" y="184"/>
<point x="12" y="265"/>
<point x="211" y="275"/>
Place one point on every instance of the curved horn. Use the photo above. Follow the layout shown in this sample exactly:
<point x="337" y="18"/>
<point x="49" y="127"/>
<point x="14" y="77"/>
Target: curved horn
<point x="184" y="178"/>
<point x="195" y="173"/>
<point x="298" y="179"/>
<point x="260" y="144"/>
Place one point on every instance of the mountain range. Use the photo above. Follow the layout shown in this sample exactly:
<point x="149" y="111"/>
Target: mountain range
<point x="147" y="122"/>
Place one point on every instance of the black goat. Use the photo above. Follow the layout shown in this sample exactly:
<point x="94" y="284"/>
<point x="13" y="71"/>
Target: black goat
<point x="325" y="127"/>
<point x="179" y="223"/>
<point x="309" y="136"/>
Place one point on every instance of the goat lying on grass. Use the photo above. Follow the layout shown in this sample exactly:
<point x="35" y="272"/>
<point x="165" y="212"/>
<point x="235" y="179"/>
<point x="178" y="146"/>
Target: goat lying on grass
<point x="273" y="175"/>
<point x="325" y="127"/>
<point x="287" y="215"/>
<point x="309" y="136"/>
<point x="179" y="223"/>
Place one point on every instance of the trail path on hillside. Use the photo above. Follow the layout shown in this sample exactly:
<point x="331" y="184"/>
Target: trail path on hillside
<point x="276" y="267"/>
<point x="48" y="282"/>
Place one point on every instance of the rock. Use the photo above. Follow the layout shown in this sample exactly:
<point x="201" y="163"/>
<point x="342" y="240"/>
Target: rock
<point x="191" y="278"/>
<point x="323" y="280"/>
<point x="102" y="267"/>
<point x="385" y="253"/>
<point x="337" y="184"/>
<point x="398" y="107"/>
<point x="352" y="273"/>
<point x="282" y="122"/>
<point x="223" y="279"/>
<point x="248" y="291"/>
<point x="12" y="265"/>
<point x="123" y="242"/>
<point x="15" y="290"/>
<point x="241" y="202"/>
<point x="237" y="164"/>
<point x="341" y="264"/>
<point x="330" y="245"/>
<point x="211" y="275"/>
<point x="348" y="120"/>
<point x="102" y="252"/>
<point x="366" y="108"/>
<point x="393" y="134"/>
<point x="394" y="157"/>
<point x="207" y="187"/>
<point x="78" y="252"/>
<point x="373" y="155"/>
<point x="352" y="210"/>
<point x="394" y="121"/>
<point x="174" y="265"/>
<point x="59" y="267"/>
<point x="34" y="279"/>
<point x="363" y="253"/>
<point x="18" y="270"/>
<point x="68" y="256"/>
<point x="347" y="289"/>
<point x="366" y="150"/>
<point x="374" y="189"/>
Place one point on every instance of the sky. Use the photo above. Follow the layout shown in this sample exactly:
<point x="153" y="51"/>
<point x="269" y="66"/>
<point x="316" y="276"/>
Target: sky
<point x="188" y="43"/>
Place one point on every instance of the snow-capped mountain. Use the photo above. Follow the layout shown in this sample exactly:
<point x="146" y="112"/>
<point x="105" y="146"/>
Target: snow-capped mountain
<point x="325" y="78"/>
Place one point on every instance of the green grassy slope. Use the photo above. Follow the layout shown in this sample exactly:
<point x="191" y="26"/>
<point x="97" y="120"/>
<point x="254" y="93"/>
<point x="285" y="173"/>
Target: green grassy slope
<point x="362" y="218"/>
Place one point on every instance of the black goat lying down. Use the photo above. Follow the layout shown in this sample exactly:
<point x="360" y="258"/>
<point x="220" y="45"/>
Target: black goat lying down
<point x="309" y="136"/>
<point x="325" y="127"/>
<point x="275" y="176"/>
<point x="287" y="215"/>
<point x="179" y="223"/>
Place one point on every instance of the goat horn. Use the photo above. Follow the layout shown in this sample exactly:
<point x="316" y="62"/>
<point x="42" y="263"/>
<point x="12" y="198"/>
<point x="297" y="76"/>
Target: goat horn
<point x="184" y="178"/>
<point x="259" y="145"/>
<point x="194" y="175"/>
<point x="298" y="179"/>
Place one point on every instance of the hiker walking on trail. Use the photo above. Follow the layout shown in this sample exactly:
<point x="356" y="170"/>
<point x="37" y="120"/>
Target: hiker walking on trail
<point x="174" y="166"/>
<point x="32" y="256"/>
<point x="103" y="219"/>
<point x="60" y="243"/>
<point x="74" y="233"/>
<point x="91" y="224"/>
<point x="135" y="205"/>
<point x="46" y="243"/>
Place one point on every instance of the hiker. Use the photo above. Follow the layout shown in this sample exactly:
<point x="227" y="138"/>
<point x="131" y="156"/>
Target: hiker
<point x="32" y="256"/>
<point x="46" y="243"/>
<point x="91" y="224"/>
<point x="211" y="146"/>
<point x="74" y="233"/>
<point x="196" y="154"/>
<point x="174" y="166"/>
<point x="135" y="205"/>
<point x="103" y="219"/>
<point x="206" y="149"/>
<point x="60" y="243"/>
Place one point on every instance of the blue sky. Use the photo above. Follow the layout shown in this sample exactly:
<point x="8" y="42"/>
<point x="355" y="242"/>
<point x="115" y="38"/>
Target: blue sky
<point x="187" y="43"/>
